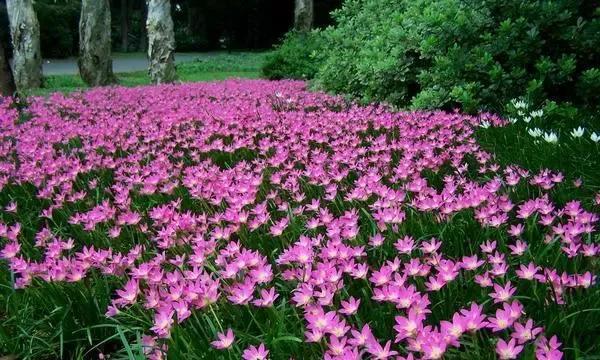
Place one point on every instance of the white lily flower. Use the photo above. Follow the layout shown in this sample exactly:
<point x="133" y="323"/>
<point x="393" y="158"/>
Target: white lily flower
<point x="519" y="104"/>
<point x="577" y="133"/>
<point x="537" y="113"/>
<point x="551" y="137"/>
<point x="536" y="132"/>
<point x="527" y="119"/>
<point x="485" y="124"/>
<point x="595" y="137"/>
<point x="512" y="120"/>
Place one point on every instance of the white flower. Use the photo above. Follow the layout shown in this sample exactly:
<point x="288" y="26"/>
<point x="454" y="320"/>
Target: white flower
<point x="485" y="124"/>
<point x="512" y="120"/>
<point x="536" y="132"/>
<point x="527" y="119"/>
<point x="577" y="133"/>
<point x="537" y="113"/>
<point x="520" y="113"/>
<point x="519" y="104"/>
<point x="551" y="137"/>
<point x="595" y="137"/>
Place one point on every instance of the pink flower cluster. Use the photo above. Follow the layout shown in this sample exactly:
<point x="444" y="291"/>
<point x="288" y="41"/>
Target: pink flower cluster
<point x="325" y="183"/>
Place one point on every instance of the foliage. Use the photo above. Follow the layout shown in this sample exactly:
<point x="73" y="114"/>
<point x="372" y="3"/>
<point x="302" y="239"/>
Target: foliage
<point x="471" y="54"/>
<point x="297" y="57"/>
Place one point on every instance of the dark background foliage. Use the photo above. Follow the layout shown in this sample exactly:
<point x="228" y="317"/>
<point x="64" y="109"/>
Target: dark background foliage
<point x="200" y="25"/>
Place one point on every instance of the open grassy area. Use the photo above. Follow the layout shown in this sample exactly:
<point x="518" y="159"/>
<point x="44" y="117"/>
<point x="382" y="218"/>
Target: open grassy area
<point x="215" y="67"/>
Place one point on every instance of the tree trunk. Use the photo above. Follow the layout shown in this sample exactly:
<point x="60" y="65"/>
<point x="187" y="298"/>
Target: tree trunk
<point x="124" y="25"/>
<point x="161" y="42"/>
<point x="25" y="35"/>
<point x="95" y="63"/>
<point x="7" y="83"/>
<point x="303" y="15"/>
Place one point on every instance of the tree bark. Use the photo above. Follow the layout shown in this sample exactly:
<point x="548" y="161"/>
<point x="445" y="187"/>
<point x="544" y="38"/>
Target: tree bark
<point x="7" y="83"/>
<point x="161" y="42"/>
<point x="124" y="25"/>
<point x="95" y="63"/>
<point x="303" y="15"/>
<point x="25" y="36"/>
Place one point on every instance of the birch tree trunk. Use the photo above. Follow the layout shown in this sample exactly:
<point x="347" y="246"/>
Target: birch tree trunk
<point x="95" y="63"/>
<point x="303" y="15"/>
<point x="7" y="84"/>
<point x="25" y="36"/>
<point x="161" y="42"/>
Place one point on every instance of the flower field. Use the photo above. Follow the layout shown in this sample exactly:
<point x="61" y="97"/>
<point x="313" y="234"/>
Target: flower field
<point x="254" y="219"/>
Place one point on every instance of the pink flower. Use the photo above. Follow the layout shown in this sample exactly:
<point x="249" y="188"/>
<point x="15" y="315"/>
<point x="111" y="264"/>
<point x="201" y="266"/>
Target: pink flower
<point x="379" y="352"/>
<point x="434" y="346"/>
<point x="503" y="319"/>
<point x="277" y="228"/>
<point x="224" y="340"/>
<point x="129" y="292"/>
<point x="471" y="262"/>
<point x="360" y="338"/>
<point x="267" y="298"/>
<point x="10" y="250"/>
<point x="527" y="272"/>
<point x="163" y="321"/>
<point x="255" y="353"/>
<point x="129" y="218"/>
<point x="488" y="246"/>
<point x="518" y="248"/>
<point x="516" y="230"/>
<point x="548" y="349"/>
<point x="11" y="207"/>
<point x="408" y="326"/>
<point x="525" y="333"/>
<point x="376" y="240"/>
<point x="508" y="350"/>
<point x="473" y="318"/>
<point x="502" y="294"/>
<point x="350" y="307"/>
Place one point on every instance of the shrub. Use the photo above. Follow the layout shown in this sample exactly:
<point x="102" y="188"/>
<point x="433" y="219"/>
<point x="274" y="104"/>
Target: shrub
<point x="366" y="55"/>
<point x="473" y="54"/>
<point x="480" y="54"/>
<point x="297" y="57"/>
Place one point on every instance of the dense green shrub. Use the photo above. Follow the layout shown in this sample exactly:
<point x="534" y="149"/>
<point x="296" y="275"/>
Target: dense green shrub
<point x="473" y="54"/>
<point x="297" y="57"/>
<point x="482" y="53"/>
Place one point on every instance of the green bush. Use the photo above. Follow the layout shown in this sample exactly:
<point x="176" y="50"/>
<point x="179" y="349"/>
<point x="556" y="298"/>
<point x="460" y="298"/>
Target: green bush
<point x="297" y="57"/>
<point x="472" y="54"/>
